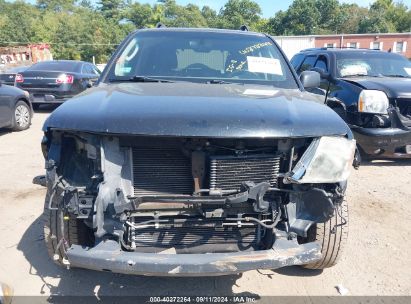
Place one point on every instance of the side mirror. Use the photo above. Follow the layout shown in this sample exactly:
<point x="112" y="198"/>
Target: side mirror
<point x="322" y="72"/>
<point x="310" y="79"/>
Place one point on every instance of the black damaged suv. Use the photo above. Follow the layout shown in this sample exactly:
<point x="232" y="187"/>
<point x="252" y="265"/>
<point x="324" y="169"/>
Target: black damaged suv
<point x="370" y="90"/>
<point x="197" y="153"/>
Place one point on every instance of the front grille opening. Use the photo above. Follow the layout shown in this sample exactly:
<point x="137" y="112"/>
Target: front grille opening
<point x="228" y="173"/>
<point x="163" y="172"/>
<point x="158" y="171"/>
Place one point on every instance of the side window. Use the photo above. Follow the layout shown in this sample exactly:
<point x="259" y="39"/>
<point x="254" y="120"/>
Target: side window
<point x="322" y="63"/>
<point x="95" y="70"/>
<point x="86" y="69"/>
<point x="297" y="60"/>
<point x="308" y="63"/>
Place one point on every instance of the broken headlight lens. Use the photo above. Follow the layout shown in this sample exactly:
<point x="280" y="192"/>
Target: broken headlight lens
<point x="373" y="101"/>
<point x="327" y="160"/>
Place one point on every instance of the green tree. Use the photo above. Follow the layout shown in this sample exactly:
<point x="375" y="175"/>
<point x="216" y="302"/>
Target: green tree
<point x="399" y="15"/>
<point x="301" y="18"/>
<point x="56" y="5"/>
<point x="240" y="12"/>
<point x="349" y="18"/>
<point x="81" y="29"/>
<point x="377" y="20"/>
<point x="276" y="24"/>
<point x="111" y="9"/>
<point x="175" y="15"/>
<point x="210" y="16"/>
<point x="16" y="21"/>
<point x="140" y="15"/>
<point x="329" y="11"/>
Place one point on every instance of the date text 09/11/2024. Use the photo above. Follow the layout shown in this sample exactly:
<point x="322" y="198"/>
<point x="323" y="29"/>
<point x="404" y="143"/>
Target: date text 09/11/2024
<point x="203" y="299"/>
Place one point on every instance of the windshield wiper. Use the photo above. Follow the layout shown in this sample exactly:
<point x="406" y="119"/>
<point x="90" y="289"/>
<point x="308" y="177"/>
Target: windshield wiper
<point x="396" y="75"/>
<point x="219" y="81"/>
<point x="138" y="78"/>
<point x="360" y="75"/>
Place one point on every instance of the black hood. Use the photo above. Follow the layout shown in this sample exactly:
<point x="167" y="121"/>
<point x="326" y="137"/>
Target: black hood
<point x="190" y="109"/>
<point x="393" y="87"/>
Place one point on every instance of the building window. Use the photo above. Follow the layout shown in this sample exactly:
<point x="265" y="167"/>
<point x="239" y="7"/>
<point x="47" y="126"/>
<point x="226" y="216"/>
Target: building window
<point x="353" y="45"/>
<point x="330" y="45"/>
<point x="376" y="45"/>
<point x="399" y="47"/>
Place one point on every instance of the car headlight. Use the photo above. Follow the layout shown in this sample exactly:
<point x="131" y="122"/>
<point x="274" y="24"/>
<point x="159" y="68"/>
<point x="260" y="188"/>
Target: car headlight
<point x="327" y="160"/>
<point x="373" y="101"/>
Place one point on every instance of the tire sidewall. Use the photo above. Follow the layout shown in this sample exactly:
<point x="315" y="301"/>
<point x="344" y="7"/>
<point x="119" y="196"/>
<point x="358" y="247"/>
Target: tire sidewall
<point x="16" y="126"/>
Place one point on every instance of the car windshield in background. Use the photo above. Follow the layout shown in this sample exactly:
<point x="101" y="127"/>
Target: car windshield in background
<point x="17" y="69"/>
<point x="202" y="57"/>
<point x="54" y="66"/>
<point x="380" y="64"/>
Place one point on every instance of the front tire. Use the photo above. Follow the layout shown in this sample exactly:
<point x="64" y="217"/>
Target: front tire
<point x="75" y="232"/>
<point x="332" y="235"/>
<point x="22" y="116"/>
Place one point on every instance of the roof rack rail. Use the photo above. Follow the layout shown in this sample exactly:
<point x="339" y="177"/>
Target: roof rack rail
<point x="337" y="48"/>
<point x="160" y="25"/>
<point x="244" y="28"/>
<point x="313" y="49"/>
<point x="349" y="48"/>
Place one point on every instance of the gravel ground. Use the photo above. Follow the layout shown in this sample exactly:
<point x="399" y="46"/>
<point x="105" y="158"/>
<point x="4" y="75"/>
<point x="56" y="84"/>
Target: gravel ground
<point x="375" y="262"/>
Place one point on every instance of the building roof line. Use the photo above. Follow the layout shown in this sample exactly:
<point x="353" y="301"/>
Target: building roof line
<point x="346" y="35"/>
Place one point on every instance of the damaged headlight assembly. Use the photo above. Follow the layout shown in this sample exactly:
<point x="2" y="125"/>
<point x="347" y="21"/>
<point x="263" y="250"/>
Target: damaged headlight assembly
<point x="373" y="101"/>
<point x="327" y="160"/>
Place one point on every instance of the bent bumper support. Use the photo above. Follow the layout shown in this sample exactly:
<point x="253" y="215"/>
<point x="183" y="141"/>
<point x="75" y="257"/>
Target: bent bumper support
<point x="107" y="256"/>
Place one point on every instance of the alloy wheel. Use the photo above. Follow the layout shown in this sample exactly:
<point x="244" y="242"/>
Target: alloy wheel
<point x="22" y="116"/>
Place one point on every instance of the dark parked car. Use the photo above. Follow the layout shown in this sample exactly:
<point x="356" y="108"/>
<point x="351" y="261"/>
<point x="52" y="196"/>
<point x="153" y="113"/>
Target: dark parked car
<point x="56" y="81"/>
<point x="15" y="108"/>
<point x="197" y="153"/>
<point x="9" y="76"/>
<point x="371" y="91"/>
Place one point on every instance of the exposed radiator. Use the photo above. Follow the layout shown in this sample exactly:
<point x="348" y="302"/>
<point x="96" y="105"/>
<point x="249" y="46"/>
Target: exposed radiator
<point x="228" y="173"/>
<point x="158" y="171"/>
<point x="161" y="172"/>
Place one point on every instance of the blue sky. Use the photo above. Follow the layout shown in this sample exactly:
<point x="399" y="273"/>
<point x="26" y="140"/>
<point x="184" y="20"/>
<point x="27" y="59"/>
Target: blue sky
<point x="269" y="7"/>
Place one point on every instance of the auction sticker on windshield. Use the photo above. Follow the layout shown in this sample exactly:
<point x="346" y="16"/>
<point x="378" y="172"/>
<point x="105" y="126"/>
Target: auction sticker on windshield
<point x="264" y="65"/>
<point x="408" y="70"/>
<point x="351" y="70"/>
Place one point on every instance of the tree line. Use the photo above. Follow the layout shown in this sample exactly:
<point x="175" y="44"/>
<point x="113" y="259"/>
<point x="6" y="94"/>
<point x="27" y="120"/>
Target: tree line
<point x="80" y="29"/>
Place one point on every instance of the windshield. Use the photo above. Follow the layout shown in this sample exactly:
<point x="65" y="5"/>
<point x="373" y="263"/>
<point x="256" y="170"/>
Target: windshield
<point x="203" y="57"/>
<point x="17" y="69"/>
<point x="378" y="64"/>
